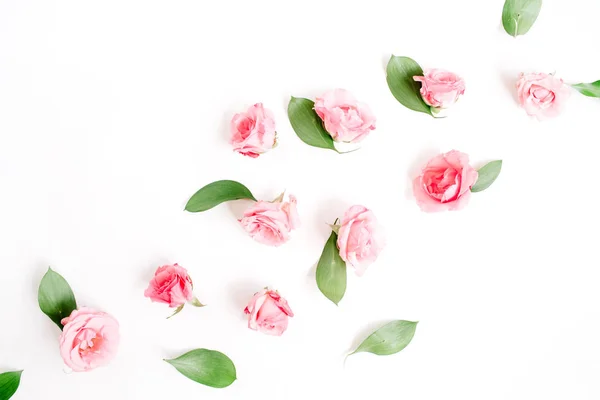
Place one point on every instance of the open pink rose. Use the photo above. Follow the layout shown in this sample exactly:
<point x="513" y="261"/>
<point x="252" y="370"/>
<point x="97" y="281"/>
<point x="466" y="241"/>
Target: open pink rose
<point x="268" y="313"/>
<point x="253" y="132"/>
<point x="89" y="339"/>
<point x="271" y="222"/>
<point x="542" y="95"/>
<point x="171" y="285"/>
<point x="360" y="238"/>
<point x="344" y="118"/>
<point x="445" y="182"/>
<point x="440" y="88"/>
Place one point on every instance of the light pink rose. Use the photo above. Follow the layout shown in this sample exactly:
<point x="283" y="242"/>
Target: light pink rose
<point x="89" y="339"/>
<point x="253" y="132"/>
<point x="171" y="285"/>
<point x="445" y="182"/>
<point x="360" y="238"/>
<point x="271" y="222"/>
<point x="440" y="88"/>
<point x="344" y="118"/>
<point x="542" y="95"/>
<point x="268" y="313"/>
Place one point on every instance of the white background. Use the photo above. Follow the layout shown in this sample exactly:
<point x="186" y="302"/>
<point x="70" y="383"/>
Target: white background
<point x="112" y="113"/>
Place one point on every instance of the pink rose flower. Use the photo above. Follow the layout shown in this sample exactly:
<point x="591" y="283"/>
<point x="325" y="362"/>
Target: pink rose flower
<point x="89" y="339"/>
<point x="271" y="222"/>
<point x="253" y="132"/>
<point x="542" y="95"/>
<point x="344" y="118"/>
<point x="360" y="238"/>
<point x="171" y="285"/>
<point x="440" y="88"/>
<point x="445" y="182"/>
<point x="268" y="313"/>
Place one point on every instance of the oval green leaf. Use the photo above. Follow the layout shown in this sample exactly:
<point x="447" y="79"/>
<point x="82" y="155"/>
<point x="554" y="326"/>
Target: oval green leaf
<point x="518" y="16"/>
<point x="216" y="193"/>
<point x="389" y="339"/>
<point x="487" y="175"/>
<point x="331" y="271"/>
<point x="208" y="367"/>
<point x="55" y="297"/>
<point x="9" y="383"/>
<point x="307" y="124"/>
<point x="588" y="89"/>
<point x="400" y="79"/>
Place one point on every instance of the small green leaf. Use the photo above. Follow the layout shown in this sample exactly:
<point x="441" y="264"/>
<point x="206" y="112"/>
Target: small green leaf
<point x="487" y="175"/>
<point x="208" y="367"/>
<point x="279" y="198"/>
<point x="331" y="271"/>
<point x="177" y="311"/>
<point x="216" y="193"/>
<point x="9" y="383"/>
<point x="588" y="89"/>
<point x="389" y="339"/>
<point x="518" y="16"/>
<point x="307" y="124"/>
<point x="55" y="297"/>
<point x="400" y="78"/>
<point x="196" y="303"/>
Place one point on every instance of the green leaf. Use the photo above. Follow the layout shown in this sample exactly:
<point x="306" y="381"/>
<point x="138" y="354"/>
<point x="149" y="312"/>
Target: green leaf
<point x="400" y="78"/>
<point x="208" y="367"/>
<point x="9" y="383"/>
<point x="331" y="271"/>
<point x="487" y="175"/>
<point x="308" y="125"/>
<point x="177" y="311"/>
<point x="588" y="89"/>
<point x="216" y="193"/>
<point x="55" y="297"/>
<point x="196" y="303"/>
<point x="389" y="339"/>
<point x="518" y="16"/>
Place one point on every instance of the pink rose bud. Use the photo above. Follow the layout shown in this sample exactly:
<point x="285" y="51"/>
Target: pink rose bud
<point x="445" y="182"/>
<point x="253" y="132"/>
<point x="89" y="339"/>
<point x="344" y="118"/>
<point x="271" y="222"/>
<point x="439" y="88"/>
<point x="360" y="238"/>
<point x="268" y="313"/>
<point x="542" y="95"/>
<point x="171" y="285"/>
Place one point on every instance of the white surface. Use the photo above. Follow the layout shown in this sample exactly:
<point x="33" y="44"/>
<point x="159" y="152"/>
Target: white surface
<point x="113" y="113"/>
